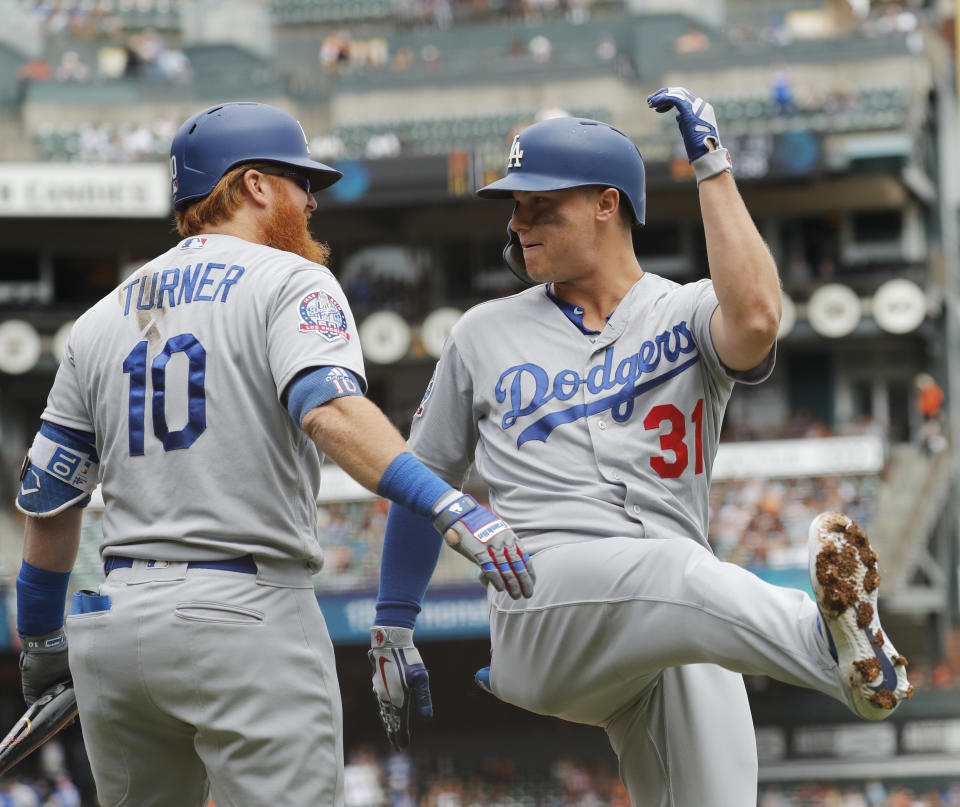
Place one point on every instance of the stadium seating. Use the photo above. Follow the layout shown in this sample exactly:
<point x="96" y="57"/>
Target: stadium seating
<point x="441" y="135"/>
<point x="860" y="109"/>
<point x="99" y="16"/>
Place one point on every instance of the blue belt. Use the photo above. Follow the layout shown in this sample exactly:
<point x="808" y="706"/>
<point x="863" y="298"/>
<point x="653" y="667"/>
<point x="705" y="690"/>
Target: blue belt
<point x="245" y="564"/>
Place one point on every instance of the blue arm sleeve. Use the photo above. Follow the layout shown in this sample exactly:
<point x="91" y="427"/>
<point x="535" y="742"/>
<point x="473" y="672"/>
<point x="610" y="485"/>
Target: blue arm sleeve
<point x="318" y="385"/>
<point x="411" y="547"/>
<point x="41" y="598"/>
<point x="409" y="482"/>
<point x="84" y="441"/>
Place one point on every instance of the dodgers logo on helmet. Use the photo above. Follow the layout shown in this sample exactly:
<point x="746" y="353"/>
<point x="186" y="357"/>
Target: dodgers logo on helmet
<point x="515" y="158"/>
<point x="321" y="314"/>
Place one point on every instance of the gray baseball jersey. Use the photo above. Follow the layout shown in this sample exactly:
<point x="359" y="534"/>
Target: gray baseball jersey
<point x="179" y="372"/>
<point x="581" y="437"/>
<point x="597" y="449"/>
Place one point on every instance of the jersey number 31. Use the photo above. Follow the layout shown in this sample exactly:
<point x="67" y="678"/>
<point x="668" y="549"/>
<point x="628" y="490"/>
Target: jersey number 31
<point x="136" y="365"/>
<point x="673" y="440"/>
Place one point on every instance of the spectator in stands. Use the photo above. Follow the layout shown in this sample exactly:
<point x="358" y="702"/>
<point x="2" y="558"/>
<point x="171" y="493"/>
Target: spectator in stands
<point x="930" y="400"/>
<point x="14" y="793"/>
<point x="429" y="55"/>
<point x="781" y="89"/>
<point x="802" y="423"/>
<point x="402" y="59"/>
<point x="149" y="47"/>
<point x="72" y="68"/>
<point x="578" y="11"/>
<point x="540" y="48"/>
<point x="442" y="12"/>
<point x="399" y="776"/>
<point x="362" y="780"/>
<point x="335" y="50"/>
<point x="606" y="48"/>
<point x="174" y="66"/>
<point x="35" y="70"/>
<point x="798" y="276"/>
<point x="29" y="72"/>
<point x="111" y="61"/>
<point x="64" y="793"/>
<point x="404" y="13"/>
<point x="692" y="41"/>
<point x="516" y="48"/>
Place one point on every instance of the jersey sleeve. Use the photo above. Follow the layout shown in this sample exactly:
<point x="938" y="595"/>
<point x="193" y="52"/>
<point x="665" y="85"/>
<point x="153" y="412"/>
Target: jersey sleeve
<point x="309" y="324"/>
<point x="704" y="304"/>
<point x="444" y="435"/>
<point x="66" y="405"/>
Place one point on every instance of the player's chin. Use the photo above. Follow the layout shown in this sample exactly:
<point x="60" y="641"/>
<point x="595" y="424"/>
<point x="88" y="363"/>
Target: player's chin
<point x="538" y="267"/>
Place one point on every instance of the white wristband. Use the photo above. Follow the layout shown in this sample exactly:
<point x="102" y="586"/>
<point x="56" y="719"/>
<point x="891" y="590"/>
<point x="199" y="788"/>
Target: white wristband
<point x="67" y="464"/>
<point x="383" y="636"/>
<point x="711" y="164"/>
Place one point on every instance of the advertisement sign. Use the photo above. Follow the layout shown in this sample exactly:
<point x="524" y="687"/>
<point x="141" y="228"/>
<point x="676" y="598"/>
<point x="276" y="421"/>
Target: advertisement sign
<point x="56" y="190"/>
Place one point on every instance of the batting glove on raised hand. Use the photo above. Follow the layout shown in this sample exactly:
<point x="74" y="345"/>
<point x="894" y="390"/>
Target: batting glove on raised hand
<point x="698" y="124"/>
<point x="400" y="681"/>
<point x="43" y="663"/>
<point x="487" y="540"/>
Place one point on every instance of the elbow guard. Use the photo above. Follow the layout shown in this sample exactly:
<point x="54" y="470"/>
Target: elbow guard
<point x="60" y="471"/>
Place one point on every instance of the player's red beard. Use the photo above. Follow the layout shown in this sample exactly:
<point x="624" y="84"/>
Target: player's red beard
<point x="287" y="229"/>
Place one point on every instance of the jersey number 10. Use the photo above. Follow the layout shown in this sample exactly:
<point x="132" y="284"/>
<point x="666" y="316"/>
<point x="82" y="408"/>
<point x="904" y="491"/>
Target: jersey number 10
<point x="136" y="365"/>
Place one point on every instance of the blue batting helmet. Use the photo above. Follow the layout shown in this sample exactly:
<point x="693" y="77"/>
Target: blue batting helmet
<point x="219" y="138"/>
<point x="560" y="153"/>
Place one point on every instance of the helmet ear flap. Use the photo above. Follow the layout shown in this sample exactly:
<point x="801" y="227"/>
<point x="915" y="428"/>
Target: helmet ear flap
<point x="513" y="255"/>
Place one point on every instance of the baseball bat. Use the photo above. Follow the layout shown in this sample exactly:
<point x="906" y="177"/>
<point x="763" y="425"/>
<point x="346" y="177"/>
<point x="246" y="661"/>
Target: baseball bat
<point x="45" y="717"/>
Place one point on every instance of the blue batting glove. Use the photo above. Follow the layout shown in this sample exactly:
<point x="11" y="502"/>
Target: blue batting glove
<point x="487" y="540"/>
<point x="400" y="681"/>
<point x="698" y="124"/>
<point x="696" y="118"/>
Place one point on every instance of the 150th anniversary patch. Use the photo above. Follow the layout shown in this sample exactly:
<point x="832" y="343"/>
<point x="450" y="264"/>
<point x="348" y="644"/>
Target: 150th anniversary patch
<point x="321" y="314"/>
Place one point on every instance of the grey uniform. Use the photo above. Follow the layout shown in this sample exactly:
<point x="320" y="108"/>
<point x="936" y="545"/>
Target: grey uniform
<point x="179" y="373"/>
<point x="597" y="449"/>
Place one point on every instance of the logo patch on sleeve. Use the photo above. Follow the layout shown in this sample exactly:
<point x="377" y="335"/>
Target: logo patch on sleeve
<point x="426" y="396"/>
<point x="194" y="242"/>
<point x="321" y="314"/>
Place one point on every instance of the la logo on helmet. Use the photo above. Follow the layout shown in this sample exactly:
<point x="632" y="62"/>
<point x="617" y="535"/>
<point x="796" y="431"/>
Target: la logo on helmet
<point x="516" y="154"/>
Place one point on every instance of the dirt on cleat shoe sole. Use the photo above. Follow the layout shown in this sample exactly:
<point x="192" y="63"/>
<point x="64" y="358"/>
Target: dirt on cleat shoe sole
<point x="845" y="579"/>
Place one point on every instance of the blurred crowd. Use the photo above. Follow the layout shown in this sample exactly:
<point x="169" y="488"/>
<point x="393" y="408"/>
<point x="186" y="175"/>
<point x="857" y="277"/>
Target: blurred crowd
<point x="434" y="780"/>
<point x="753" y="522"/>
<point x="571" y="781"/>
<point x="871" y="19"/>
<point x="400" y="780"/>
<point x="49" y="782"/>
<point x="342" y="52"/>
<point x="58" y="792"/>
<point x="106" y="142"/>
<point x="352" y="536"/>
<point x="143" y="56"/>
<point x="98" y="19"/>
<point x="871" y="794"/>
<point x="764" y="522"/>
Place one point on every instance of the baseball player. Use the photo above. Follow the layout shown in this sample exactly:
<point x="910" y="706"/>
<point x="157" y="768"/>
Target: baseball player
<point x="591" y="404"/>
<point x="199" y="392"/>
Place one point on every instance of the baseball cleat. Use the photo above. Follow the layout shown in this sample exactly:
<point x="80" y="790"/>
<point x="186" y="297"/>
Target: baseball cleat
<point x="845" y="579"/>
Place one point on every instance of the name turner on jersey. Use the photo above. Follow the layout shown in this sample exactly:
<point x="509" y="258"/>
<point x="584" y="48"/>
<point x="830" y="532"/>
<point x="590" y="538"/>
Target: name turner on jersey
<point x="192" y="284"/>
